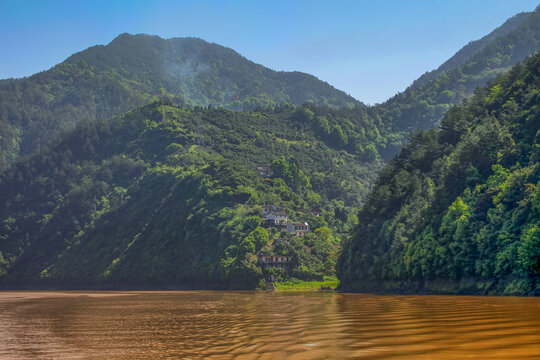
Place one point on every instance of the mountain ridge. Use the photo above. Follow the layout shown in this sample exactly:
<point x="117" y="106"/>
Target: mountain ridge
<point x="472" y="48"/>
<point x="107" y="80"/>
<point x="424" y="103"/>
<point x="132" y="70"/>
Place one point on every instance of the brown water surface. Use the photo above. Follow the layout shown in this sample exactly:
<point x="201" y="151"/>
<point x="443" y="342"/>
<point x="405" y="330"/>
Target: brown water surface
<point x="251" y="325"/>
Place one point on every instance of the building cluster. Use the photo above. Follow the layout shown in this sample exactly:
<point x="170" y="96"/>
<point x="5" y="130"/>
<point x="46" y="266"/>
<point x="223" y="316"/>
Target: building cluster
<point x="275" y="215"/>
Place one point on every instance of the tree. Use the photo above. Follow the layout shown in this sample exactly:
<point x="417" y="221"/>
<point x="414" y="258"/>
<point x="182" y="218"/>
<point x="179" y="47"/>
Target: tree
<point x="529" y="250"/>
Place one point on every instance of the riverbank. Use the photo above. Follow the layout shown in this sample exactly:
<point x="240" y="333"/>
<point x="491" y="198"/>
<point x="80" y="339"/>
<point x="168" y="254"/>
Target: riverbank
<point x="299" y="285"/>
<point x="441" y="286"/>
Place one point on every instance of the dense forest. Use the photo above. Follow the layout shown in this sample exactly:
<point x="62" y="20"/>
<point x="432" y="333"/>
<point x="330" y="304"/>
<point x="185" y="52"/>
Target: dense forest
<point x="103" y="81"/>
<point x="168" y="196"/>
<point x="458" y="210"/>
<point x="148" y="163"/>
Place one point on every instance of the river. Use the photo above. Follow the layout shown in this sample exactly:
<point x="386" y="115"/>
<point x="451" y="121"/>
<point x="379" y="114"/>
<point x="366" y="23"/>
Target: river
<point x="253" y="325"/>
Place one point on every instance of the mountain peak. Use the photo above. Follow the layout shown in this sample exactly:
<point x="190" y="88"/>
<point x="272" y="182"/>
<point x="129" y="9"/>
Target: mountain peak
<point x="107" y="80"/>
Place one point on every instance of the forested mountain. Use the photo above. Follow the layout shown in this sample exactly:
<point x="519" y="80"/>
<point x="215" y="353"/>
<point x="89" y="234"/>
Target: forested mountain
<point x="103" y="81"/>
<point x="471" y="49"/>
<point x="458" y="211"/>
<point x="167" y="196"/>
<point x="424" y="103"/>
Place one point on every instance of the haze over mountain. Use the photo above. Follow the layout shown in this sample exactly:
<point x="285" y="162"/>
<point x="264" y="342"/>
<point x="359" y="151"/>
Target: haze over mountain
<point x="132" y="70"/>
<point x="103" y="81"/>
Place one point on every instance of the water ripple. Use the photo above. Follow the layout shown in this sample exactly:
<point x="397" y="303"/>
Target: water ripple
<point x="250" y="325"/>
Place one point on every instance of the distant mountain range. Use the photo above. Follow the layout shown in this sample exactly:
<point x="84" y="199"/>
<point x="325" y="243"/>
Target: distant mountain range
<point x="133" y="70"/>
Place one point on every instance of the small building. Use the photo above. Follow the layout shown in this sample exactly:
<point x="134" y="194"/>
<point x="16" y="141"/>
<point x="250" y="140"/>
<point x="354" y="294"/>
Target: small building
<point x="297" y="228"/>
<point x="276" y="218"/>
<point x="274" y="261"/>
<point x="316" y="211"/>
<point x="265" y="171"/>
<point x="273" y="208"/>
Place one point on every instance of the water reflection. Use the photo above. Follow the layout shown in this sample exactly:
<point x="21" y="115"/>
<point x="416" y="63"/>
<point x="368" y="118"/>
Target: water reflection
<point x="221" y="325"/>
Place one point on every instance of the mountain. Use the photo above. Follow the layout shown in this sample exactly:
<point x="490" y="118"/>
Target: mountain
<point x="167" y="196"/>
<point x="425" y="102"/>
<point x="133" y="70"/>
<point x="473" y="48"/>
<point x="458" y="211"/>
<point x="141" y="180"/>
<point x="104" y="81"/>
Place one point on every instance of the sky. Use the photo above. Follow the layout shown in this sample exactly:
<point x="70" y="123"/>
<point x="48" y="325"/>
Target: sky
<point x="371" y="49"/>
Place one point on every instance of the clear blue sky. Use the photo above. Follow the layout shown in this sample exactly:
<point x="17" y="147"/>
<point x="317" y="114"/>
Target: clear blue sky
<point x="369" y="49"/>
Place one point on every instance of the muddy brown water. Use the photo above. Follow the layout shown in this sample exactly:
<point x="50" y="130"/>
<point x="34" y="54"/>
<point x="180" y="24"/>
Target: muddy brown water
<point x="253" y="325"/>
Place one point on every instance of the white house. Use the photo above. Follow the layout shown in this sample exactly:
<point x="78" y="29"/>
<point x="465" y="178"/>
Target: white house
<point x="297" y="228"/>
<point x="278" y="218"/>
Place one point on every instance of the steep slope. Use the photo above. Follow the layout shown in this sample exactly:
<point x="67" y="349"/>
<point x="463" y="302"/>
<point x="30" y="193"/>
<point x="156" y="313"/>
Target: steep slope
<point x="471" y="49"/>
<point x="458" y="211"/>
<point x="167" y="197"/>
<point x="103" y="81"/>
<point x="424" y="103"/>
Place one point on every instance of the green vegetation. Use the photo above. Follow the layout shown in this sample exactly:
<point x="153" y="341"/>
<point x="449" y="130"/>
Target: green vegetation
<point x="425" y="102"/>
<point x="103" y="81"/>
<point x="131" y="71"/>
<point x="168" y="197"/>
<point x="458" y="211"/>
<point x="299" y="285"/>
<point x="314" y="255"/>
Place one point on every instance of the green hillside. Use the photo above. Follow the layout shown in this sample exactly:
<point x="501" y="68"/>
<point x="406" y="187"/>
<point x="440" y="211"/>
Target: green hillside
<point x="168" y="197"/>
<point x="473" y="48"/>
<point x="425" y="102"/>
<point x="133" y="70"/>
<point x="121" y="167"/>
<point x="458" y="211"/>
